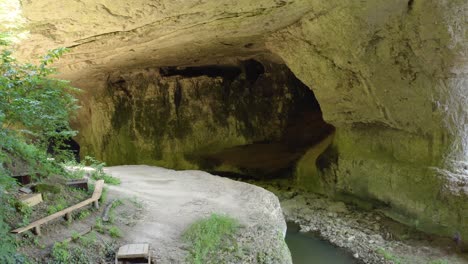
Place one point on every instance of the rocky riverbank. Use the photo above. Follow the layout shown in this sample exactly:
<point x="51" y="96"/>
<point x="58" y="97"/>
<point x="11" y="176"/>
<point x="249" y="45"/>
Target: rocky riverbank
<point x="368" y="235"/>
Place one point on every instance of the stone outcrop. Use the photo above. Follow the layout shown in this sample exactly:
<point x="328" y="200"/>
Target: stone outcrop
<point x="390" y="76"/>
<point x="173" y="200"/>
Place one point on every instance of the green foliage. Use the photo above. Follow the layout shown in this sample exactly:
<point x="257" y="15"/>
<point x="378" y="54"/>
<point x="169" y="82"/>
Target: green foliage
<point x="61" y="252"/>
<point x="8" y="252"/>
<point x="115" y="232"/>
<point x="99" y="227"/>
<point x="83" y="214"/>
<point x="34" y="111"/>
<point x="389" y="256"/>
<point x="207" y="237"/>
<point x="59" y="206"/>
<point x="98" y="173"/>
<point x="103" y="197"/>
<point x="88" y="240"/>
<point x="47" y="188"/>
<point x="117" y="203"/>
<point x="75" y="236"/>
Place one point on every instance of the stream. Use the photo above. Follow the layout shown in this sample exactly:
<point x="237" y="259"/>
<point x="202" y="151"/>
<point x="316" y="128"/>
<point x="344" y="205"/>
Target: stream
<point x="308" y="248"/>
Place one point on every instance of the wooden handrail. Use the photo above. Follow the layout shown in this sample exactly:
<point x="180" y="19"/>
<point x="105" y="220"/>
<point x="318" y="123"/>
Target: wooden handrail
<point x="65" y="212"/>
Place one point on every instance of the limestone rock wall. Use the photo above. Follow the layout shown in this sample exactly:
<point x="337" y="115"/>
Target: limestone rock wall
<point x="391" y="76"/>
<point x="170" y="117"/>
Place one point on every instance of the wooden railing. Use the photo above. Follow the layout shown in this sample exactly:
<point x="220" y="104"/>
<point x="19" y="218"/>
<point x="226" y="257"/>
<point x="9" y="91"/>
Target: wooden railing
<point x="65" y="212"/>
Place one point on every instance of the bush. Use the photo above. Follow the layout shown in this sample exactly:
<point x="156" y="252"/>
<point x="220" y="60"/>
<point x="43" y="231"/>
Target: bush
<point x="34" y="111"/>
<point x="61" y="252"/>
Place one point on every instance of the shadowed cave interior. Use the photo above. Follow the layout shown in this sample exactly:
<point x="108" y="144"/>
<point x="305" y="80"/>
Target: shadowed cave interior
<point x="268" y="116"/>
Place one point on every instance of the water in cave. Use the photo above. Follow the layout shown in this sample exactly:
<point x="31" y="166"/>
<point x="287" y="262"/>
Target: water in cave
<point x="308" y="248"/>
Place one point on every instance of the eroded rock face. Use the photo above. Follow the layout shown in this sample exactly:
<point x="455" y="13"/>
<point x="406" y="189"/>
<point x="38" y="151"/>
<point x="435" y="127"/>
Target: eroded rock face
<point x="391" y="76"/>
<point x="183" y="118"/>
<point x="117" y="35"/>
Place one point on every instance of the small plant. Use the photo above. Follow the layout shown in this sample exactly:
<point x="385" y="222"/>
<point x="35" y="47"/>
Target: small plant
<point x="88" y="240"/>
<point x="59" y="206"/>
<point x="25" y="211"/>
<point x="60" y="252"/>
<point x="83" y="214"/>
<point x="115" y="232"/>
<point x="117" y="203"/>
<point x="98" y="173"/>
<point x="103" y="195"/>
<point x="75" y="236"/>
<point x="107" y="179"/>
<point x="207" y="237"/>
<point x="389" y="256"/>
<point x="99" y="226"/>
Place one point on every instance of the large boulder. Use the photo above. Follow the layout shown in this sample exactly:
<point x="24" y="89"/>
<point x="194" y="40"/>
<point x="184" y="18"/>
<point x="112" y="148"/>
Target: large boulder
<point x="173" y="200"/>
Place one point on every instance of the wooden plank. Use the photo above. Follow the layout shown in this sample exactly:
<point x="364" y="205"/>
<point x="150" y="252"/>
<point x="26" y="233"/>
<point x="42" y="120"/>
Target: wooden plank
<point x="25" y="190"/>
<point x="31" y="199"/>
<point x="37" y="230"/>
<point x="98" y="189"/>
<point x="78" y="184"/>
<point x="68" y="217"/>
<point x="96" y="195"/>
<point x="133" y="251"/>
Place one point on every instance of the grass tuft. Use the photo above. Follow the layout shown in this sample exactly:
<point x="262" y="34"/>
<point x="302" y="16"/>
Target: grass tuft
<point x="115" y="232"/>
<point x="206" y="236"/>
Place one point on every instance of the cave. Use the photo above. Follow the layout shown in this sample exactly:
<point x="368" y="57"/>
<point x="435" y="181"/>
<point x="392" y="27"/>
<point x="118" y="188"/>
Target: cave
<point x="360" y="102"/>
<point x="251" y="119"/>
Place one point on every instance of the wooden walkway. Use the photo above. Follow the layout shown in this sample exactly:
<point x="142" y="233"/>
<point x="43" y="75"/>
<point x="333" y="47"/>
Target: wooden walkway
<point x="65" y="212"/>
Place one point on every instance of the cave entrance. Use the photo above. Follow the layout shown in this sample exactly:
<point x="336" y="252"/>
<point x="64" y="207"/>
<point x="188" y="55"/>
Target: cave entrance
<point x="249" y="118"/>
<point x="302" y="126"/>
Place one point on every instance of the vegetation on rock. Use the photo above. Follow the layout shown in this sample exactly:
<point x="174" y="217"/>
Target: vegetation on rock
<point x="208" y="237"/>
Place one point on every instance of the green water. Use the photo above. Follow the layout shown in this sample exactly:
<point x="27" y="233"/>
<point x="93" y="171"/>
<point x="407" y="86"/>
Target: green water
<point x="306" y="248"/>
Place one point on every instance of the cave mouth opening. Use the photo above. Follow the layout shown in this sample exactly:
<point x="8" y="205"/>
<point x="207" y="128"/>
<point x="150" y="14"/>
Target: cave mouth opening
<point x="249" y="119"/>
<point x="275" y="156"/>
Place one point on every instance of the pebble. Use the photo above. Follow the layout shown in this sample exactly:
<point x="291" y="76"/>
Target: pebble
<point x="356" y="255"/>
<point x="376" y="227"/>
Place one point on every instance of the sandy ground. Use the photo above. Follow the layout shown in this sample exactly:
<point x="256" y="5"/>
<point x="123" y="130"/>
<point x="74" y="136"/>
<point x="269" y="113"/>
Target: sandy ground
<point x="172" y="200"/>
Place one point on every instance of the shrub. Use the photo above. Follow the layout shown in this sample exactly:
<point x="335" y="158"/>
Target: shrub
<point x="61" y="252"/>
<point x="34" y="111"/>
